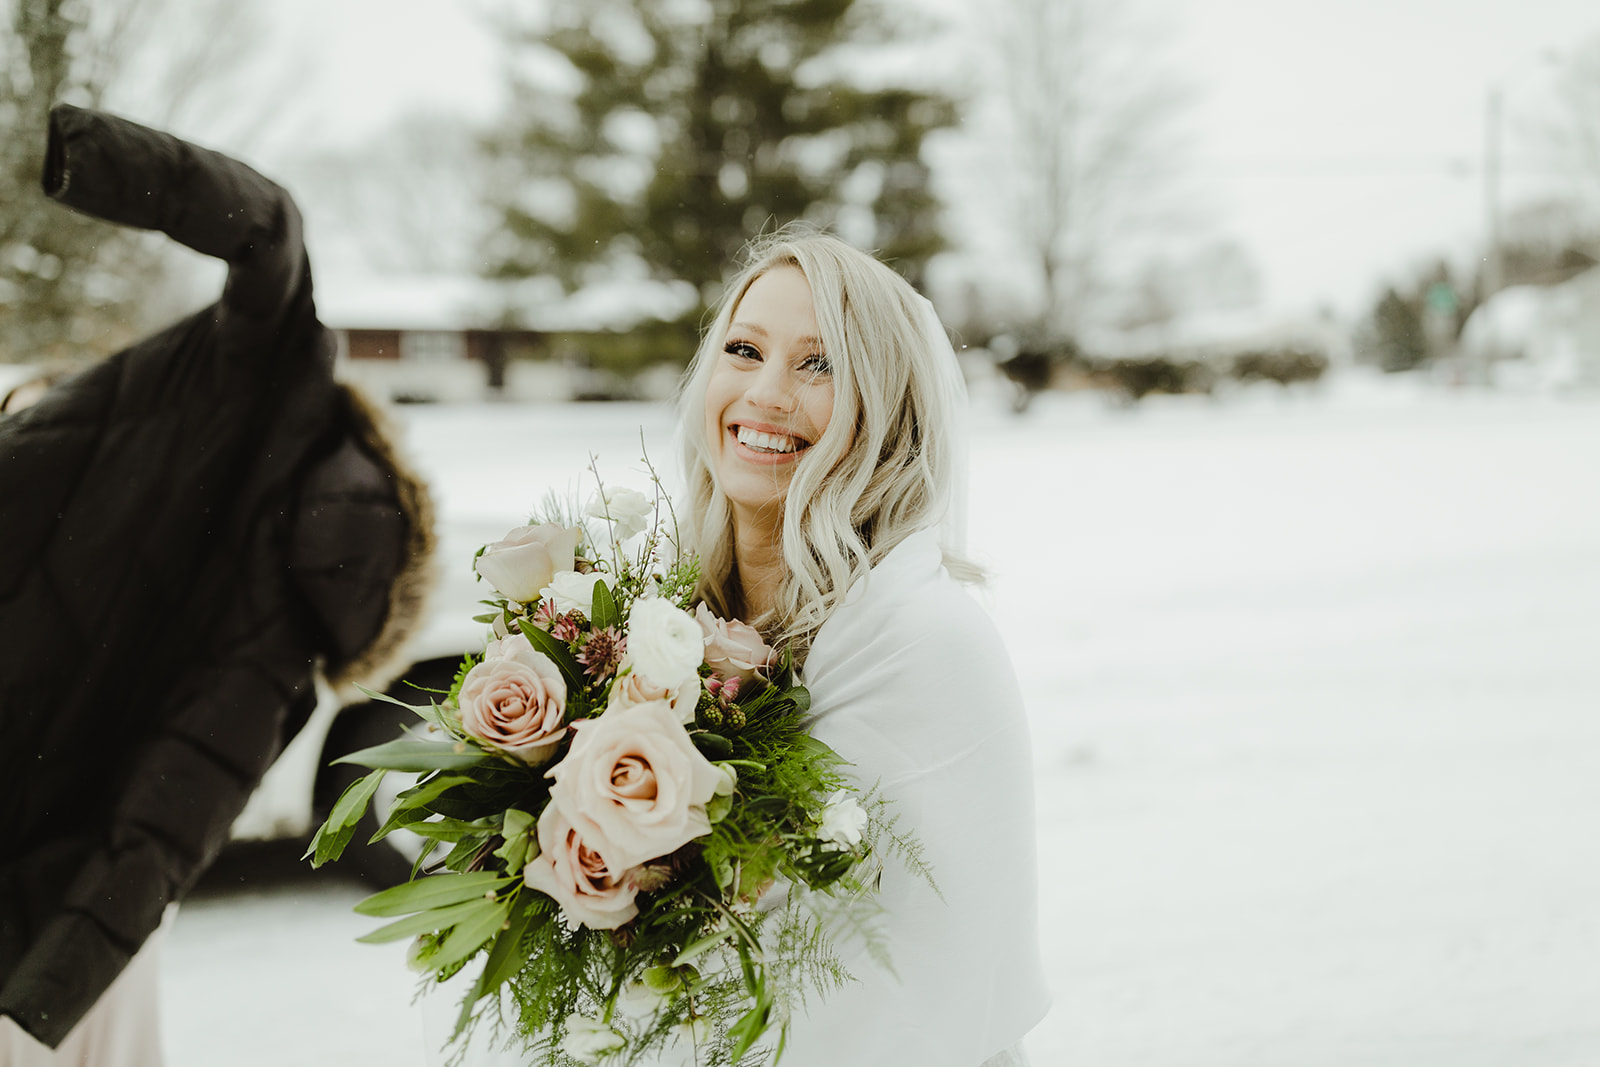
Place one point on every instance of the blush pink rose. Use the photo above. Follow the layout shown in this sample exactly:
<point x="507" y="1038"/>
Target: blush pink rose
<point x="524" y="561"/>
<point x="632" y="688"/>
<point x="734" y="647"/>
<point x="514" y="701"/>
<point x="591" y="890"/>
<point x="633" y="784"/>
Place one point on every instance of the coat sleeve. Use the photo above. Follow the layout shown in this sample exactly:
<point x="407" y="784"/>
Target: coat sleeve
<point x="119" y="171"/>
<point x="912" y="684"/>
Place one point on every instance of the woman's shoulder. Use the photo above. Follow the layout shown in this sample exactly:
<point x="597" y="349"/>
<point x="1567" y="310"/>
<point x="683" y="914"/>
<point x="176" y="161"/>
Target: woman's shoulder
<point x="908" y="606"/>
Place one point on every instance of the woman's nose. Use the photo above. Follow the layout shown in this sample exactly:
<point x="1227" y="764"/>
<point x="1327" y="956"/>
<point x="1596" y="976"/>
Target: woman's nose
<point x="772" y="387"/>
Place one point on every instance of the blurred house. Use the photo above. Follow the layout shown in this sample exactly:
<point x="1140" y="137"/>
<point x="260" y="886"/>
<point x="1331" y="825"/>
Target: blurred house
<point x="1537" y="336"/>
<point x="426" y="338"/>
<point x="1218" y="338"/>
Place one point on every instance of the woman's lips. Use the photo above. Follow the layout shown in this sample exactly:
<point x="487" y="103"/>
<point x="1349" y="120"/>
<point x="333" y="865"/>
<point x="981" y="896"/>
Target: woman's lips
<point x="757" y="435"/>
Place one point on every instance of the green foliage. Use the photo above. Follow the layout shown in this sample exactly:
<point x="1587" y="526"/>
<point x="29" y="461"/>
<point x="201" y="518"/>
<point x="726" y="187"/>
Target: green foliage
<point x="1397" y="331"/>
<point x="691" y="128"/>
<point x="334" y="834"/>
<point x="68" y="283"/>
<point x="1282" y="365"/>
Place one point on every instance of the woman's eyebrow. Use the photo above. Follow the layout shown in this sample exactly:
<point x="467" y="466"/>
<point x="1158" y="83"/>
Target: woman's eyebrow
<point x="807" y="341"/>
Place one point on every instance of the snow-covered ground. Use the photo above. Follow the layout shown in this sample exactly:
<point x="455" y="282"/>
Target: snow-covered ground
<point x="1316" y="706"/>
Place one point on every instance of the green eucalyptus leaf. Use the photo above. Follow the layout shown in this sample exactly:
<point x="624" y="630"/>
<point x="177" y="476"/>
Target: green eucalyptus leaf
<point x="423" y="922"/>
<point x="699" y="947"/>
<point x="713" y="746"/>
<point x="470" y="933"/>
<point x="505" y="957"/>
<point x="515" y="831"/>
<point x="412" y="806"/>
<point x="409" y="755"/>
<point x="432" y="892"/>
<point x="557" y="651"/>
<point x="603" y="607"/>
<point x="373" y="694"/>
<point x="748" y="1030"/>
<point x="332" y="836"/>
<point x="464" y="851"/>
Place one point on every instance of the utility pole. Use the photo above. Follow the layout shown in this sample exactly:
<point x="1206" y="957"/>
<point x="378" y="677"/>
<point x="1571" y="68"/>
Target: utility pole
<point x="1493" y="264"/>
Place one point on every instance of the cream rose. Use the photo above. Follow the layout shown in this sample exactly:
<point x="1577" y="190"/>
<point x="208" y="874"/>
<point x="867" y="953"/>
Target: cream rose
<point x="628" y="511"/>
<point x="733" y="647"/>
<point x="632" y="688"/>
<point x="592" y="890"/>
<point x="664" y="642"/>
<point x="634" y="785"/>
<point x="571" y="591"/>
<point x="514" y="701"/>
<point x="522" y="563"/>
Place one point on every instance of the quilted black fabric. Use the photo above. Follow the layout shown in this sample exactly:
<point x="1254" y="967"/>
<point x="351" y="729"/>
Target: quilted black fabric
<point x="184" y="529"/>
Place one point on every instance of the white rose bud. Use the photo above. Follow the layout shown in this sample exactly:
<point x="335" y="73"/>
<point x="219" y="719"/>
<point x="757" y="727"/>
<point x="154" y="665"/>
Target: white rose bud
<point x="587" y="1040"/>
<point x="572" y="591"/>
<point x="842" y="820"/>
<point x="665" y="643"/>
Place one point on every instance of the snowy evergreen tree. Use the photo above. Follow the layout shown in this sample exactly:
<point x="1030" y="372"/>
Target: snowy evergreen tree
<point x="676" y="131"/>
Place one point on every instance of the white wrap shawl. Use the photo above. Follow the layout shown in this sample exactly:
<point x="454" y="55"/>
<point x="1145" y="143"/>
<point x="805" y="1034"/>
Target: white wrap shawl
<point x="911" y="683"/>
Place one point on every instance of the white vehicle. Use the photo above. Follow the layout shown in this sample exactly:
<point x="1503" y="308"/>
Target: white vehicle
<point x="298" y="790"/>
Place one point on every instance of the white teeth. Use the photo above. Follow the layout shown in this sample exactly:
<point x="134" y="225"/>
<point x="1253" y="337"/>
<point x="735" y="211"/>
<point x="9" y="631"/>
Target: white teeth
<point x="767" y="442"/>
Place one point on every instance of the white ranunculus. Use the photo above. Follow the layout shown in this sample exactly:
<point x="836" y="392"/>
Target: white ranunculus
<point x="628" y="510"/>
<point x="572" y="591"/>
<point x="842" y="820"/>
<point x="665" y="643"/>
<point x="587" y="1040"/>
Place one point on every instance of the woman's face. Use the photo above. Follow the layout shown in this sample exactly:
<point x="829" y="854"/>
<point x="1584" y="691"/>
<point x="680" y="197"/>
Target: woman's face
<point x="769" y="397"/>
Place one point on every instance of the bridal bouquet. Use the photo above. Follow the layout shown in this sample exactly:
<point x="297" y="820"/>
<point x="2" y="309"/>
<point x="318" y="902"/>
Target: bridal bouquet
<point x="606" y="793"/>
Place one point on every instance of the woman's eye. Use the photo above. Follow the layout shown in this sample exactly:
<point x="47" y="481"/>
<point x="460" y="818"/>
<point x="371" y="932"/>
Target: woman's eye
<point x="741" y="350"/>
<point x="817" y="364"/>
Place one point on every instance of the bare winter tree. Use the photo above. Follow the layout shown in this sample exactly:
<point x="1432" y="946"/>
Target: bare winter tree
<point x="410" y="200"/>
<point x="1092" y="133"/>
<point x="1576" y="132"/>
<point x="70" y="287"/>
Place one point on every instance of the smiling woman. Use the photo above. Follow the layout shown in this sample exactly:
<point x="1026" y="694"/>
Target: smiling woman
<point x="821" y="440"/>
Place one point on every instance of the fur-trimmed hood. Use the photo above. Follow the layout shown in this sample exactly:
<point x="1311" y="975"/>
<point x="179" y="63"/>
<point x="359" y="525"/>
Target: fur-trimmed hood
<point x="383" y="659"/>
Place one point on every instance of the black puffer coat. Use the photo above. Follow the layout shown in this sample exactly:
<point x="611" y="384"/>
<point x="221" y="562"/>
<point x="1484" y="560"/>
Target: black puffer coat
<point x="185" y="530"/>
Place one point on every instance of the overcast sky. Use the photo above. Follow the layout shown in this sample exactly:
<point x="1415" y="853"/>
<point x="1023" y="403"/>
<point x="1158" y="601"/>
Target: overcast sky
<point x="1341" y="143"/>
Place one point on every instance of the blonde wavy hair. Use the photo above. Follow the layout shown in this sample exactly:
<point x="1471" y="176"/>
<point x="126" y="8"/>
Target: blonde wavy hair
<point x="884" y="467"/>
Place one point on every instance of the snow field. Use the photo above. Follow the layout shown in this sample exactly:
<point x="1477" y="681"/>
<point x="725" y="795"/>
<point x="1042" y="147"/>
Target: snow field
<point x="1313" y="688"/>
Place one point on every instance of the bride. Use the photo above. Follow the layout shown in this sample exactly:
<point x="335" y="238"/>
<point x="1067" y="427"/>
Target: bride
<point x="820" y="425"/>
<point x="821" y="428"/>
